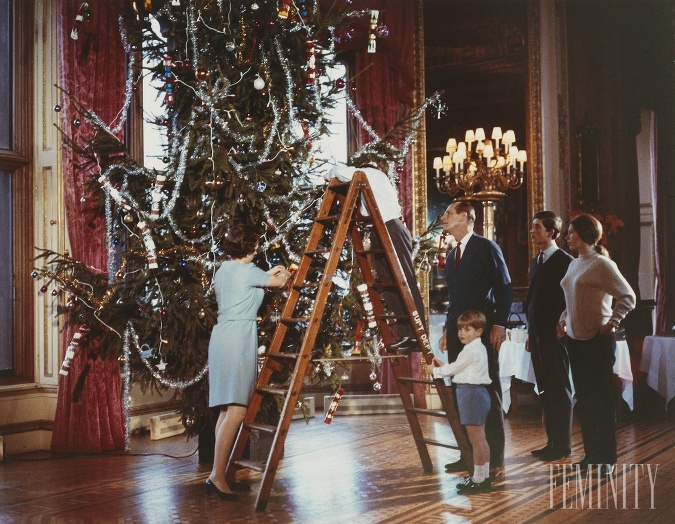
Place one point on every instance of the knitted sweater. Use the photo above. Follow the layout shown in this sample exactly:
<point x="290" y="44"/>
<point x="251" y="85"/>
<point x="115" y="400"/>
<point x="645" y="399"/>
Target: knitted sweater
<point x="589" y="285"/>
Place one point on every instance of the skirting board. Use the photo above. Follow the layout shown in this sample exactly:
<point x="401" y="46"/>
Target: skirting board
<point x="366" y="404"/>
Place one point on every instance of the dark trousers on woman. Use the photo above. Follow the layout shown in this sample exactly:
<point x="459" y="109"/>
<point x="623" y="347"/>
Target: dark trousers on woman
<point x="591" y="362"/>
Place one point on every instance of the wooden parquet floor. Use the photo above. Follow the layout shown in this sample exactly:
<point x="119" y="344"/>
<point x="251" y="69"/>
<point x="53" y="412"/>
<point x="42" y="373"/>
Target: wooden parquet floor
<point x="359" y="469"/>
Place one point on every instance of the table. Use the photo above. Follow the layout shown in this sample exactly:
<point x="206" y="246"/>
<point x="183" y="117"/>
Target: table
<point x="658" y="361"/>
<point x="515" y="362"/>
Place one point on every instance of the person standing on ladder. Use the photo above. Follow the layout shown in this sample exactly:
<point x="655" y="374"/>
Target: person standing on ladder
<point x="386" y="198"/>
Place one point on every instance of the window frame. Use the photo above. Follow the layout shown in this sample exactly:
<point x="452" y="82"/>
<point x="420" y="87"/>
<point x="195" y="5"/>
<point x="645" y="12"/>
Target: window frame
<point x="19" y="162"/>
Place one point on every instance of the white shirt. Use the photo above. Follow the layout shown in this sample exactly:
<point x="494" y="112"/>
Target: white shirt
<point x="548" y="252"/>
<point x="384" y="191"/>
<point x="471" y="366"/>
<point x="463" y="242"/>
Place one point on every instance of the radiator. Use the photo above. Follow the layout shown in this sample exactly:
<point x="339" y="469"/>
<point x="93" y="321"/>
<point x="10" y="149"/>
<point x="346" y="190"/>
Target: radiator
<point x="310" y="408"/>
<point x="165" y="425"/>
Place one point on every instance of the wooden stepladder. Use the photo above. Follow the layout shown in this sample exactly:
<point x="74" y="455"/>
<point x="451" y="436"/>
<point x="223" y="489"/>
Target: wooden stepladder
<point x="289" y="355"/>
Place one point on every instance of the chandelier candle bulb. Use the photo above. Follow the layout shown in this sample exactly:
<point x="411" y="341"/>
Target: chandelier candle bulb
<point x="522" y="158"/>
<point x="469" y="137"/>
<point x="447" y="162"/>
<point x="513" y="155"/>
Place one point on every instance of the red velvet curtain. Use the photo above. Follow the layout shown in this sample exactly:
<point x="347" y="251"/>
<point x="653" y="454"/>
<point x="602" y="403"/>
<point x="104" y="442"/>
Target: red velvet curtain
<point x="92" y="70"/>
<point x="385" y="83"/>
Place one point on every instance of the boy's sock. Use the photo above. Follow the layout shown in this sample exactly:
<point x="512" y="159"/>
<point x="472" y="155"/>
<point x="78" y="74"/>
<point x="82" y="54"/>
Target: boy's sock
<point x="480" y="472"/>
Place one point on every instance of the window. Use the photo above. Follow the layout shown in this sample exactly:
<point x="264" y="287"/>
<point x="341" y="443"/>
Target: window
<point x="16" y="204"/>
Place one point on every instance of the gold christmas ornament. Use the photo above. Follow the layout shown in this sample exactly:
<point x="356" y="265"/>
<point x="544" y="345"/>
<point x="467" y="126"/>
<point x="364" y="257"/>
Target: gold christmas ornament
<point x="201" y="74"/>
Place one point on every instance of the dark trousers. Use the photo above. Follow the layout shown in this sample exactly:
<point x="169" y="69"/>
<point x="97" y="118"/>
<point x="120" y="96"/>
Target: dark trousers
<point x="592" y="361"/>
<point x="494" y="425"/>
<point x="552" y="369"/>
<point x="402" y="242"/>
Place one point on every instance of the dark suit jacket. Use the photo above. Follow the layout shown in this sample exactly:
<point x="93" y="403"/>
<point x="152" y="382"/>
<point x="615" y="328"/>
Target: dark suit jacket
<point x="482" y="282"/>
<point x="545" y="298"/>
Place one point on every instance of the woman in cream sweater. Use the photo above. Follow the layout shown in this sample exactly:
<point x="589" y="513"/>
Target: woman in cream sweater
<point x="589" y="322"/>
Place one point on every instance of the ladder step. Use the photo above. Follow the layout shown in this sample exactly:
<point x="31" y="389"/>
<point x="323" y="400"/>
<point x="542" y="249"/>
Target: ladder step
<point x="273" y="391"/>
<point x="283" y="356"/>
<point x="433" y="442"/>
<point x="391" y="317"/>
<point x="328" y="219"/>
<point x="267" y="428"/>
<point x="293" y="320"/>
<point x="310" y="285"/>
<point x="413" y="380"/>
<point x="383" y="285"/>
<point x="340" y="188"/>
<point x="317" y="252"/>
<point x="431" y="412"/>
<point x="251" y="464"/>
<point x="370" y="252"/>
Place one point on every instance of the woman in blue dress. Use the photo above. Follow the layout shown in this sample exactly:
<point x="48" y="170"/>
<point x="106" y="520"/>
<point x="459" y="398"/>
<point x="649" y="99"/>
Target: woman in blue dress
<point x="233" y="348"/>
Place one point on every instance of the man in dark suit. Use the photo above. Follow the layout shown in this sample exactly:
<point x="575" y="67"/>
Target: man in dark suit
<point x="477" y="278"/>
<point x="545" y="303"/>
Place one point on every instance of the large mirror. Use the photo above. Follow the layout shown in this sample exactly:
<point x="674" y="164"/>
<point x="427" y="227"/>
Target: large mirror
<point x="482" y="55"/>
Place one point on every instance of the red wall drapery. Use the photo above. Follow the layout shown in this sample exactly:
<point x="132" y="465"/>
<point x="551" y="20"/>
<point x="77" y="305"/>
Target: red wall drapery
<point x="92" y="71"/>
<point x="384" y="94"/>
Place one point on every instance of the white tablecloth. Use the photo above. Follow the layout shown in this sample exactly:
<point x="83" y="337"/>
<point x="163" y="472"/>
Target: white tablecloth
<point x="515" y="362"/>
<point x="658" y="361"/>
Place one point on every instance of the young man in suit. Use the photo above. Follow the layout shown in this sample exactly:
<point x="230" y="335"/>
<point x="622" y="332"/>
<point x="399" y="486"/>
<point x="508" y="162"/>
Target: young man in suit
<point x="477" y="278"/>
<point x="545" y="303"/>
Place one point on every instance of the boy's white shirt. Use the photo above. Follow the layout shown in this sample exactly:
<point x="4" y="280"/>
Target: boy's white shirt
<point x="471" y="366"/>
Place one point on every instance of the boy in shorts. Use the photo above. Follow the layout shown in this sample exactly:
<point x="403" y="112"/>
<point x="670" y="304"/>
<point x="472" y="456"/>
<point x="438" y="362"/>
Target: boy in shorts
<point x="470" y="376"/>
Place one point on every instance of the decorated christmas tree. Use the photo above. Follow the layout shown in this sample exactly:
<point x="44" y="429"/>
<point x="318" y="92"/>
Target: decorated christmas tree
<point x="244" y="101"/>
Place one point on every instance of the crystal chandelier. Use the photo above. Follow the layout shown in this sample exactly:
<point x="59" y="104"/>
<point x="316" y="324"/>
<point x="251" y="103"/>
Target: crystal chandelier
<point x="484" y="171"/>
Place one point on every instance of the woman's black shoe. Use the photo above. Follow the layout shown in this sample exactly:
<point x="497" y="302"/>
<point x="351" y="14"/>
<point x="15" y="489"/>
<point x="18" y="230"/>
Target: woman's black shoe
<point x="212" y="488"/>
